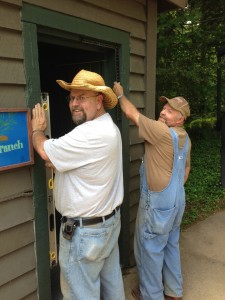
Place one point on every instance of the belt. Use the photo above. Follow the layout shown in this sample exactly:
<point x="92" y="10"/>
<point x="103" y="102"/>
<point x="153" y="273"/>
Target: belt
<point x="90" y="221"/>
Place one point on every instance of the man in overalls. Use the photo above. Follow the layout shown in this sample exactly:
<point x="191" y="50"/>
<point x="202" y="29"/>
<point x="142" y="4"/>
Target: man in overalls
<point x="164" y="170"/>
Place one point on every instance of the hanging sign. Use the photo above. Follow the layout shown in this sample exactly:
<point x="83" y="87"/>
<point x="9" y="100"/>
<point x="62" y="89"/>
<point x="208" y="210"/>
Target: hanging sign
<point x="15" y="138"/>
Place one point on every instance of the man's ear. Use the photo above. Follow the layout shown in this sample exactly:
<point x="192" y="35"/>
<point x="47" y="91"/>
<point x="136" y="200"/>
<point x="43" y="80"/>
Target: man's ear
<point x="100" y="99"/>
<point x="181" y="120"/>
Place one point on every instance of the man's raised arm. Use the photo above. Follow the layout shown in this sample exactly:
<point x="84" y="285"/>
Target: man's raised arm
<point x="127" y="107"/>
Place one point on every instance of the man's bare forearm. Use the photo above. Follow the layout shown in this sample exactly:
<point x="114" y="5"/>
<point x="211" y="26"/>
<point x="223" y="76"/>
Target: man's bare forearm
<point x="126" y="105"/>
<point x="38" y="139"/>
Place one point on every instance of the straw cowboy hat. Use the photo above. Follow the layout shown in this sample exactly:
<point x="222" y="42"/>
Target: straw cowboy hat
<point x="86" y="80"/>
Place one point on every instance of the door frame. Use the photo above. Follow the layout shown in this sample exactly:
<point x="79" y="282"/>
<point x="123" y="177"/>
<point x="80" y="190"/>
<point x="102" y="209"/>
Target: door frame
<point x="37" y="21"/>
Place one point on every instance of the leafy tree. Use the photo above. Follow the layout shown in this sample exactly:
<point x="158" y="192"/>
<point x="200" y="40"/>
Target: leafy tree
<point x="188" y="41"/>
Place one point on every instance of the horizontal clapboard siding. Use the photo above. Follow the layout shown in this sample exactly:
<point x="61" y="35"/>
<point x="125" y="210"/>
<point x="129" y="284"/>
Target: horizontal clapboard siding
<point x="17" y="239"/>
<point x="20" y="288"/>
<point x="12" y="78"/>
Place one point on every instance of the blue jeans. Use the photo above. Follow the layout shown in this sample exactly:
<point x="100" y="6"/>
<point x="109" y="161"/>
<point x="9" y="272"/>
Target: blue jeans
<point x="90" y="266"/>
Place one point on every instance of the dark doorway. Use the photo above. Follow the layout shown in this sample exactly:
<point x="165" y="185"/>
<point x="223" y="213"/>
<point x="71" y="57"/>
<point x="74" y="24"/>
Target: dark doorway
<point x="63" y="62"/>
<point x="58" y="62"/>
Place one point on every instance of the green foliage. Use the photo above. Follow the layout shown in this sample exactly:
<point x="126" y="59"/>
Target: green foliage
<point x="201" y="128"/>
<point x="204" y="194"/>
<point x="187" y="65"/>
<point x="188" y="40"/>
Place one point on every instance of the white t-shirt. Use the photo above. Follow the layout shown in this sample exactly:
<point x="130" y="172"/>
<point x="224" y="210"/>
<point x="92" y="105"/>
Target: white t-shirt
<point x="89" y="176"/>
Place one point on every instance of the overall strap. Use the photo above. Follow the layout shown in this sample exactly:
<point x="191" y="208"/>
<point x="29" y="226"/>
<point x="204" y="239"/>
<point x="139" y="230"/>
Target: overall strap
<point x="180" y="155"/>
<point x="177" y="150"/>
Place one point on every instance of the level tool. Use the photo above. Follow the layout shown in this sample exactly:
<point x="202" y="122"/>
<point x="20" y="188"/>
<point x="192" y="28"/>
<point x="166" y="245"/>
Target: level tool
<point x="49" y="187"/>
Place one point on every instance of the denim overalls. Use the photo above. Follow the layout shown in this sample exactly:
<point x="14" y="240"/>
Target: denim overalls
<point x="158" y="230"/>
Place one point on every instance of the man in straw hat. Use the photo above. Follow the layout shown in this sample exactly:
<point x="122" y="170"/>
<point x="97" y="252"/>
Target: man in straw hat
<point x="164" y="170"/>
<point x="88" y="189"/>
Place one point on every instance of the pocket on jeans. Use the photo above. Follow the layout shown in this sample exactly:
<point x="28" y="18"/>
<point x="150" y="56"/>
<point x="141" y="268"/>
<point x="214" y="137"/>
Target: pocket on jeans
<point x="97" y="244"/>
<point x="161" y="221"/>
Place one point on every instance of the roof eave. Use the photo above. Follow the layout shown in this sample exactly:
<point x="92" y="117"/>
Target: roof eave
<point x="165" y="5"/>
